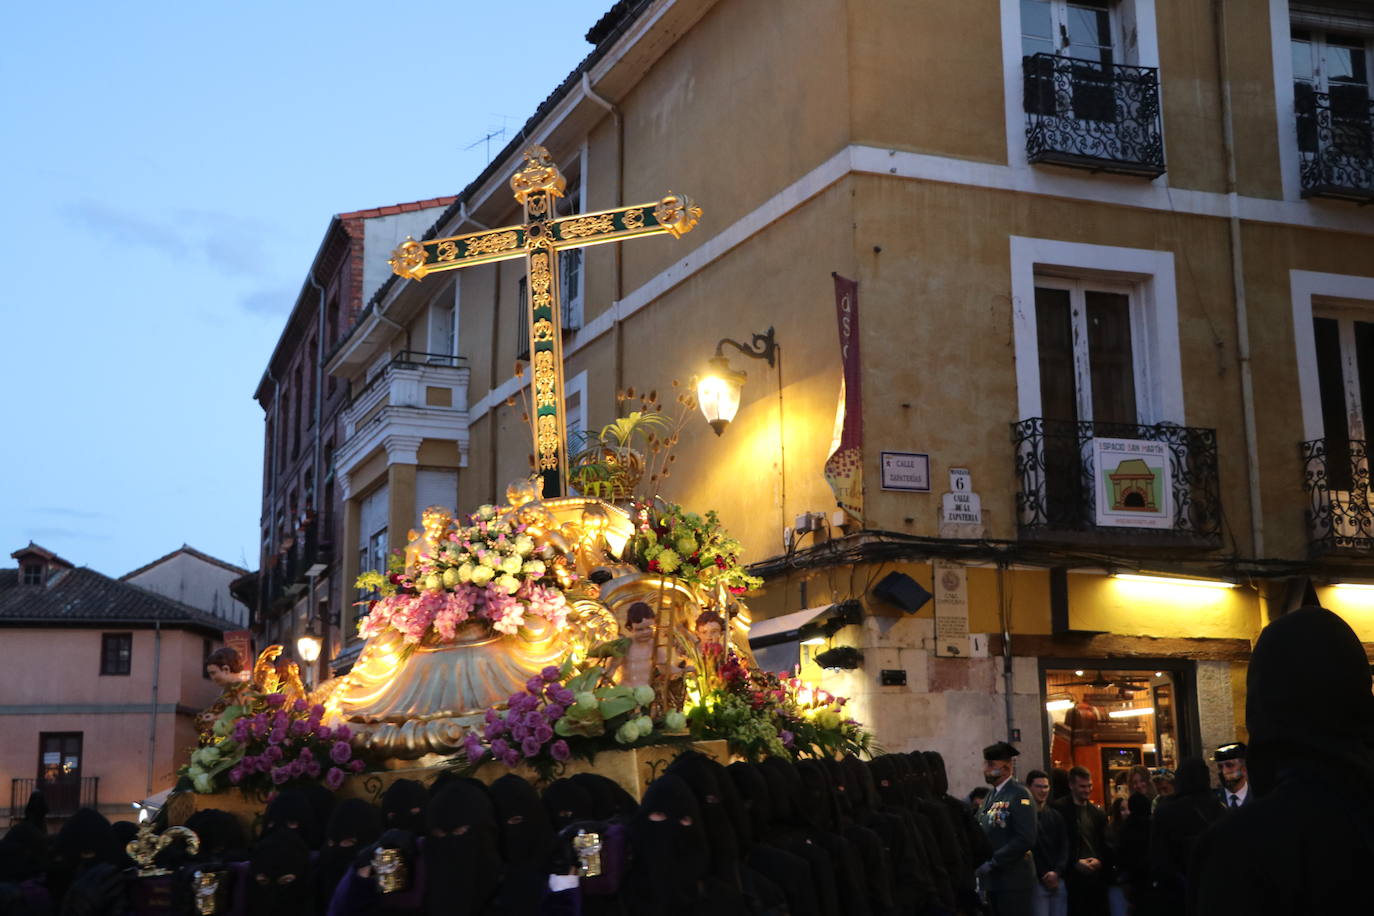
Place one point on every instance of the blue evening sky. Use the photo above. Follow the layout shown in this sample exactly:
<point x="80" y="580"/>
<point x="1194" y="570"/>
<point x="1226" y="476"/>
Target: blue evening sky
<point x="169" y="171"/>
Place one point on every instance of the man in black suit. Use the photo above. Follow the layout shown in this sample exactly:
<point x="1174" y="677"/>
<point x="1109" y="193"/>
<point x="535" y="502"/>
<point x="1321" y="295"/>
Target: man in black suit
<point x="1089" y="856"/>
<point x="1235" y="780"/>
<point x="1008" y="820"/>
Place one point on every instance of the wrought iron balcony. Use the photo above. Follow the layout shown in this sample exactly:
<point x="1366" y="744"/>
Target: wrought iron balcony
<point x="64" y="795"/>
<point x="1086" y="114"/>
<point x="1336" y="480"/>
<point x="1057" y="501"/>
<point x="1336" y="142"/>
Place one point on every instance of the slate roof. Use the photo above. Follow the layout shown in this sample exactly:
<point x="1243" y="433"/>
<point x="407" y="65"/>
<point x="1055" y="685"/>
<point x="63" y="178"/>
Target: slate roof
<point x="81" y="596"/>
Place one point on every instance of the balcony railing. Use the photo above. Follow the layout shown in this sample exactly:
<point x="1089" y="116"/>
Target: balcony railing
<point x="1086" y="114"/>
<point x="64" y="796"/>
<point x="1058" y="495"/>
<point x="1336" y="479"/>
<point x="408" y="359"/>
<point x="1336" y="142"/>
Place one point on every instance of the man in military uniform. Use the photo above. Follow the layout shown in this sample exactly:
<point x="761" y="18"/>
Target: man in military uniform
<point x="1008" y="820"/>
<point x="1235" y="780"/>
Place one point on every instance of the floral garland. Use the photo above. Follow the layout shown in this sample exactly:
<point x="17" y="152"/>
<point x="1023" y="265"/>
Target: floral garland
<point x="485" y="569"/>
<point x="268" y="742"/>
<point x="560" y="714"/>
<point x="761" y="713"/>
<point x="696" y="549"/>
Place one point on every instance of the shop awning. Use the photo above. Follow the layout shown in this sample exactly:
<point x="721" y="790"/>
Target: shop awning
<point x="775" y="641"/>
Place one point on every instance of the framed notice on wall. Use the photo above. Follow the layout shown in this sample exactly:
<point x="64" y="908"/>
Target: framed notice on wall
<point x="1134" y="483"/>
<point x="951" y="611"/>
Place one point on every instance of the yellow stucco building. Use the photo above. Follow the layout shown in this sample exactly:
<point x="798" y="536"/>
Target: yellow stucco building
<point x="1083" y="231"/>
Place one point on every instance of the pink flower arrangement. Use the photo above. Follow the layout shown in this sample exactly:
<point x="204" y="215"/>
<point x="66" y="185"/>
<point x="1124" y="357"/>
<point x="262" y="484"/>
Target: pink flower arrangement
<point x="486" y="568"/>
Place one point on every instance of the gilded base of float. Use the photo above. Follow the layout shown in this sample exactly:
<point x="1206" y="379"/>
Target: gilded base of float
<point x="633" y="769"/>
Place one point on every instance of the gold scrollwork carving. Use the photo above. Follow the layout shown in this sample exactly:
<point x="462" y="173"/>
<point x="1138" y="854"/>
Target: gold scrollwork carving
<point x="634" y="219"/>
<point x="583" y="226"/>
<point x="544" y="379"/>
<point x="543" y="330"/>
<point x="493" y="244"/>
<point x="408" y="260"/>
<point x="447" y="251"/>
<point x="548" y="442"/>
<point x="677" y="214"/>
<point x="538" y="205"/>
<point x="539" y="272"/>
<point x="538" y="174"/>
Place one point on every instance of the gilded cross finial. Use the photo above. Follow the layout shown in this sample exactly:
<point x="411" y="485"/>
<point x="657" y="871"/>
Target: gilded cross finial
<point x="408" y="260"/>
<point x="538" y="174"/>
<point x="677" y="214"/>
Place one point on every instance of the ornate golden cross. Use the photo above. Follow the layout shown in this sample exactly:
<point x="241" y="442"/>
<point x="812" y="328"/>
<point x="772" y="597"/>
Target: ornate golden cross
<point x="539" y="240"/>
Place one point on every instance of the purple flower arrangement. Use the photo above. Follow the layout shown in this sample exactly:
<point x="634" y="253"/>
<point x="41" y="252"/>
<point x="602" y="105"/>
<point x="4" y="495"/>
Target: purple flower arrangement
<point x="289" y="743"/>
<point x="524" y="733"/>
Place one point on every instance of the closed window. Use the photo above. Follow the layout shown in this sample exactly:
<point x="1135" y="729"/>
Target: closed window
<point x="116" y="653"/>
<point x="1345" y="375"/>
<point x="1083" y="30"/>
<point x="1087" y="361"/>
<point x="33" y="574"/>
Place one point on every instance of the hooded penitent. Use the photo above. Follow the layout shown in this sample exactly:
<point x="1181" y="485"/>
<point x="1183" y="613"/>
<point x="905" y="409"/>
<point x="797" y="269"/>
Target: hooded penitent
<point x="526" y="845"/>
<point x="86" y="839"/>
<point x="609" y="798"/>
<point x="462" y="851"/>
<point x="23" y="852"/>
<point x="565" y="802"/>
<point x="1306" y="844"/>
<point x="291" y="810"/>
<point x="695" y="770"/>
<point x="403" y="806"/>
<point x="279" y="881"/>
<point x="1308" y="702"/>
<point x="353" y="825"/>
<point x="671" y="857"/>
<point x="221" y="835"/>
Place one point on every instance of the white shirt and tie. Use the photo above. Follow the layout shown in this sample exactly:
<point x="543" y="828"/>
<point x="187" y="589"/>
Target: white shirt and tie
<point x="1236" y="799"/>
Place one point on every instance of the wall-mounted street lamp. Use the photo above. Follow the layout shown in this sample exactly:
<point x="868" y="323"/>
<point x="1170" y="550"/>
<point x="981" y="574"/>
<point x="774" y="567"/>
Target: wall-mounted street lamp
<point x="718" y="389"/>
<point x="309" y="643"/>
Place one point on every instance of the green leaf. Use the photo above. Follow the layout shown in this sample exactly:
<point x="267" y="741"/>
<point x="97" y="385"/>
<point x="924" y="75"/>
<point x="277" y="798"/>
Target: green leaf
<point x="617" y="706"/>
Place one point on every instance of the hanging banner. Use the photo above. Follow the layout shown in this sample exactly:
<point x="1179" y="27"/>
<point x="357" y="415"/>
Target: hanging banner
<point x="844" y="468"/>
<point x="1134" y="489"/>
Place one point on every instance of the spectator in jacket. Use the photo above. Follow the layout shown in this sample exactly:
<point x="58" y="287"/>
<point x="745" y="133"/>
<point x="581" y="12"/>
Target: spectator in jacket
<point x="1089" y="873"/>
<point x="1051" y="850"/>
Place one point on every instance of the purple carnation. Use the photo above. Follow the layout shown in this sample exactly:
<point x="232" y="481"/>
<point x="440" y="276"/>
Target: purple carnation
<point x="280" y="775"/>
<point x="299" y="727"/>
<point x="324" y="732"/>
<point x="553" y="712"/>
<point x="494" y="731"/>
<point x="511" y="757"/>
<point x="559" y="750"/>
<point x="317" y="710"/>
<point x="340" y="752"/>
<point x="236" y="775"/>
<point x="300" y="706"/>
<point x="275" y="699"/>
<point x="272" y="754"/>
<point x="305" y="754"/>
<point x="564" y="697"/>
<point x="531" y="746"/>
<point x="472" y="745"/>
<point x="521" y="732"/>
<point x="500" y="748"/>
<point x="343" y="732"/>
<point x="296" y="768"/>
<point x="493" y="716"/>
<point x="312" y="768"/>
<point x="334" y="778"/>
<point x="278" y="735"/>
<point x="550" y="673"/>
<point x="542" y="732"/>
<point x="787" y="737"/>
<point x="534" y="684"/>
<point x="355" y="765"/>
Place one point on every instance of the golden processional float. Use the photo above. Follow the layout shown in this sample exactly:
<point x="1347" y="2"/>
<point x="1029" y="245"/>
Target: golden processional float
<point x="540" y="634"/>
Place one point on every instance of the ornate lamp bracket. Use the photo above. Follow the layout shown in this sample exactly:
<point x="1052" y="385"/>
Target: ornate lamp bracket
<point x="763" y="346"/>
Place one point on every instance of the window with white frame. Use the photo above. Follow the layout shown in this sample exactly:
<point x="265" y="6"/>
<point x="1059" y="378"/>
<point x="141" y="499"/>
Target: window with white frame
<point x="1331" y="88"/>
<point x="1084" y="348"/>
<point x="373" y="515"/>
<point x="443" y="325"/>
<point x="1344" y="338"/>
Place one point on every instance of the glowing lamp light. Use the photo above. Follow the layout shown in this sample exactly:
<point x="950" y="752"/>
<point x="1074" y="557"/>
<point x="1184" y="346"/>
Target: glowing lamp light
<point x="718" y="393"/>
<point x="1172" y="580"/>
<point x="1128" y="713"/>
<point x="308" y="646"/>
<point x="1058" y="705"/>
<point x="1354" y="586"/>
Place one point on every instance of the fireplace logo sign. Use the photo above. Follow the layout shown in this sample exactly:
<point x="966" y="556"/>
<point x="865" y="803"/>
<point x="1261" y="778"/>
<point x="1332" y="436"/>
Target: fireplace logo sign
<point x="1133" y="485"/>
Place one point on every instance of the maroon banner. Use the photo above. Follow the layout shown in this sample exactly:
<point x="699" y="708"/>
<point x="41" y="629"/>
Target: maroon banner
<point x="844" y="467"/>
